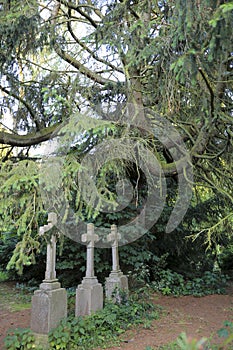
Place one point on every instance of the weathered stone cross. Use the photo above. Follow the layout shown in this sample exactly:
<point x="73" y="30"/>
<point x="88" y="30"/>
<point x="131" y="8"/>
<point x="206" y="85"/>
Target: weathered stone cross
<point x="114" y="237"/>
<point x="50" y="273"/>
<point x="90" y="238"/>
<point x="49" y="302"/>
<point x="116" y="280"/>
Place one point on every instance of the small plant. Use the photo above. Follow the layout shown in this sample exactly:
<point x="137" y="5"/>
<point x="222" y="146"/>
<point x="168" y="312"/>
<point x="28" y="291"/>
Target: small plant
<point x="71" y="293"/>
<point x="187" y="343"/>
<point x="183" y="342"/>
<point x="21" y="339"/>
<point x="226" y="332"/>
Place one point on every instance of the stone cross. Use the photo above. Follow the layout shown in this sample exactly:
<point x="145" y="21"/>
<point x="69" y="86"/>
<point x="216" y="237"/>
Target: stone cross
<point x="114" y="237"/>
<point x="50" y="273"/>
<point x="90" y="238"/>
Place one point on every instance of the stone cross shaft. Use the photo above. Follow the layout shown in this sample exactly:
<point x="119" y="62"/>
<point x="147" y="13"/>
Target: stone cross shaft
<point x="50" y="273"/>
<point x="114" y="237"/>
<point x="90" y="238"/>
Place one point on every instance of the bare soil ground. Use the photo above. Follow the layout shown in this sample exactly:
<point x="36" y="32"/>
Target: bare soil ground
<point x="198" y="317"/>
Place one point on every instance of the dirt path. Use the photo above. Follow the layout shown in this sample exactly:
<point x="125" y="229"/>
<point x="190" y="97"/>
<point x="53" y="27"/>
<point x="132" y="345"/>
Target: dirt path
<point x="198" y="317"/>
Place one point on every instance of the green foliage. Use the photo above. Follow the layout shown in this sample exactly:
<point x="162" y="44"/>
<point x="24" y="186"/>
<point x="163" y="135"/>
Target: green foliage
<point x="226" y="257"/>
<point x="3" y="276"/>
<point x="13" y="298"/>
<point x="224" y="12"/>
<point x="20" y="210"/>
<point x="169" y="282"/>
<point x="185" y="343"/>
<point x="33" y="273"/>
<point x="103" y="327"/>
<point x="226" y="332"/>
<point x="21" y="339"/>
<point x="176" y="59"/>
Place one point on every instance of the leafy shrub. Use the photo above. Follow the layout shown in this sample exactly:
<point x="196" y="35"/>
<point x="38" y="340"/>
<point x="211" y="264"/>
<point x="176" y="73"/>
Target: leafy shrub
<point x="102" y="327"/>
<point x="169" y="282"/>
<point x="21" y="339"/>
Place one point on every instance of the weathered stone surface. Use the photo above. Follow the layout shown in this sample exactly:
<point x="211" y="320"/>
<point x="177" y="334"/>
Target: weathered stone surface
<point x="50" y="273"/>
<point x="89" y="294"/>
<point x="115" y="283"/>
<point x="90" y="238"/>
<point x="49" y="303"/>
<point x="89" y="297"/>
<point x="116" y="280"/>
<point x="41" y="340"/>
<point x="114" y="238"/>
<point x="50" y="285"/>
<point x="49" y="306"/>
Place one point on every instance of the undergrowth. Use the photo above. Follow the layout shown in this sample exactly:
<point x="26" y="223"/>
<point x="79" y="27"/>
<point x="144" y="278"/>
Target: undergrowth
<point x="102" y="330"/>
<point x="97" y="330"/>
<point x="103" y="327"/>
<point x="170" y="282"/>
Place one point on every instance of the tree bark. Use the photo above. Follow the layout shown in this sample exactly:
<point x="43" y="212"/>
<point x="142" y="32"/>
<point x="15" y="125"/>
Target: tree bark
<point x="30" y="139"/>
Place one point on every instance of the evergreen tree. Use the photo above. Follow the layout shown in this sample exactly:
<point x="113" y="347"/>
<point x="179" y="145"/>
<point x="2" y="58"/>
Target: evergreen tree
<point x="168" y="61"/>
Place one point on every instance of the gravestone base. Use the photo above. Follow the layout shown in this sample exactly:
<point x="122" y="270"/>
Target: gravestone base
<point x="49" y="306"/>
<point x="41" y="340"/>
<point x="115" y="283"/>
<point x="89" y="296"/>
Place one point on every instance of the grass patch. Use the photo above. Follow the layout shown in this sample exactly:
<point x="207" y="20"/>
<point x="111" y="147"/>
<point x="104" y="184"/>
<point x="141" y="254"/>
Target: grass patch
<point x="13" y="298"/>
<point x="20" y="306"/>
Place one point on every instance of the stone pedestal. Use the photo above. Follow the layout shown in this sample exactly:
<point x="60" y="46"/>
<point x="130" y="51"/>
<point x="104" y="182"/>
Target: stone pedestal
<point x="41" y="341"/>
<point x="49" y="306"/>
<point x="115" y="283"/>
<point x="89" y="296"/>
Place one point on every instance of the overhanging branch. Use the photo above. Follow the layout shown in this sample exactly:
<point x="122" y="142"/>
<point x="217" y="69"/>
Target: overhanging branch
<point x="30" y="139"/>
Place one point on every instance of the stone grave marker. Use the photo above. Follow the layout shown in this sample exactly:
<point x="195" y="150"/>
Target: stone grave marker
<point x="116" y="280"/>
<point x="49" y="303"/>
<point x="89" y="294"/>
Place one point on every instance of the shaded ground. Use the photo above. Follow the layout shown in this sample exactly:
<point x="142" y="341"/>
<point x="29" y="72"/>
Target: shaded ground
<point x="14" y="309"/>
<point x="198" y="317"/>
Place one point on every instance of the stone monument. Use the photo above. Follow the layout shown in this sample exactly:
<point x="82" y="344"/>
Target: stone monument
<point x="116" y="280"/>
<point x="49" y="303"/>
<point x="89" y="294"/>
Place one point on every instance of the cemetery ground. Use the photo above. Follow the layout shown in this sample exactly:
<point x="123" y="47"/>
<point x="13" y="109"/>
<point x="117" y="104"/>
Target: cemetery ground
<point x="197" y="316"/>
